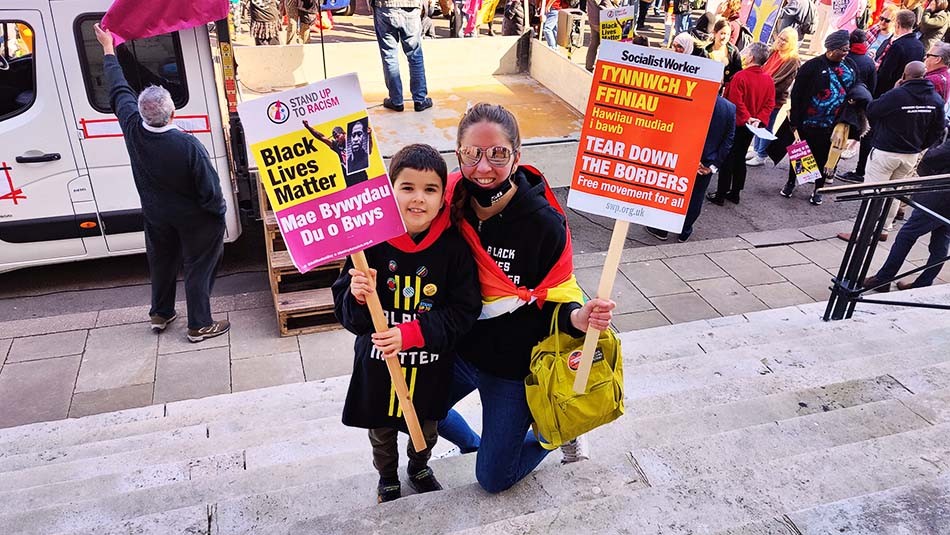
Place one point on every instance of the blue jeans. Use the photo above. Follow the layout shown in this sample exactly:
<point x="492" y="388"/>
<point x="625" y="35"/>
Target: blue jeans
<point x="394" y="26"/>
<point x="916" y="226"/>
<point x="681" y="23"/>
<point x="761" y="144"/>
<point x="507" y="449"/>
<point x="549" y="28"/>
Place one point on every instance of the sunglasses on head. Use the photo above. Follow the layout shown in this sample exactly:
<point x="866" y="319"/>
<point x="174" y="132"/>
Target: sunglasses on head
<point x="497" y="156"/>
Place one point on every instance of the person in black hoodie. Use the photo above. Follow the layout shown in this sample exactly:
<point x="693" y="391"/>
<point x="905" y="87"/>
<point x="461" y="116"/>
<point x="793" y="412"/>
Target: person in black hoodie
<point x="521" y="242"/>
<point x="905" y="121"/>
<point x="427" y="285"/>
<point x="935" y="162"/>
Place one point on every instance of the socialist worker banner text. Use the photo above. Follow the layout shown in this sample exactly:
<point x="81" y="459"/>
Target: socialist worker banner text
<point x="321" y="170"/>
<point x="644" y="130"/>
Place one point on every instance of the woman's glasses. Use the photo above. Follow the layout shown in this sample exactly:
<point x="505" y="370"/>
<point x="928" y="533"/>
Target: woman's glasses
<point x="497" y="156"/>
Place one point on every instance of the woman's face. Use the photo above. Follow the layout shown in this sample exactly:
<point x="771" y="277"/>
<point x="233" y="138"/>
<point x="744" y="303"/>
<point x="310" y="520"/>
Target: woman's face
<point x="678" y="48"/>
<point x="722" y="36"/>
<point x="782" y="43"/>
<point x="486" y="135"/>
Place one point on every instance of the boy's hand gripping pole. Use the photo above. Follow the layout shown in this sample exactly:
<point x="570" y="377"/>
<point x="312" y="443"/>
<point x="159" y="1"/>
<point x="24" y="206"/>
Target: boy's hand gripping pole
<point x="395" y="370"/>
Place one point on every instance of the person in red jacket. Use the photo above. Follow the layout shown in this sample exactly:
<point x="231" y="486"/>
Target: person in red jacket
<point x="753" y="93"/>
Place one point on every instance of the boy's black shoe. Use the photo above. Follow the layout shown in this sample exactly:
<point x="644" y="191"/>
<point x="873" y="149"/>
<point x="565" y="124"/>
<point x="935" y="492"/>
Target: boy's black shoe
<point x="388" y="104"/>
<point x="424" y="481"/>
<point x="716" y="199"/>
<point x="815" y="199"/>
<point x="733" y="197"/>
<point x="424" y="105"/>
<point x="388" y="490"/>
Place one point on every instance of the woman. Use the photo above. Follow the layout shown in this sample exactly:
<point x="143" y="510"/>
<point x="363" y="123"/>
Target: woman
<point x="486" y="15"/>
<point x="731" y="13"/>
<point x="683" y="43"/>
<point x="504" y="209"/>
<point x="265" y="22"/>
<point x="782" y="66"/>
<point x="722" y="50"/>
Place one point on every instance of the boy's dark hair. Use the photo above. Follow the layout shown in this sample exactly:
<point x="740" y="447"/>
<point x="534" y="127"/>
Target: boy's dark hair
<point x="420" y="157"/>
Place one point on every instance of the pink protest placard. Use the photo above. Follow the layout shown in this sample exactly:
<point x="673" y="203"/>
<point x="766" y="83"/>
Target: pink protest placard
<point x="322" y="171"/>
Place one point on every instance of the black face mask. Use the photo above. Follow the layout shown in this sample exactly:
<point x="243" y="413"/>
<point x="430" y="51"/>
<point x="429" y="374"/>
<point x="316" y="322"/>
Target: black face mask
<point x="487" y="197"/>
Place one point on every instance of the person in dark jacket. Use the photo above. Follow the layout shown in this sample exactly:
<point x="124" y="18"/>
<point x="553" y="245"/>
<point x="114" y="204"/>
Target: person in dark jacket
<point x="428" y="287"/>
<point x="753" y="93"/>
<point x="935" y="162"/>
<point x="181" y="200"/>
<point x="933" y="24"/>
<point x="905" y="121"/>
<point x="719" y="138"/>
<point x="903" y="48"/>
<point x="818" y="97"/>
<point x="721" y="50"/>
<point x="522" y="246"/>
<point x="867" y="69"/>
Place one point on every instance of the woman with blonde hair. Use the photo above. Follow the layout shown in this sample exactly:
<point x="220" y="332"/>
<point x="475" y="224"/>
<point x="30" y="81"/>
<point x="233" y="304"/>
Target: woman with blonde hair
<point x="782" y="66"/>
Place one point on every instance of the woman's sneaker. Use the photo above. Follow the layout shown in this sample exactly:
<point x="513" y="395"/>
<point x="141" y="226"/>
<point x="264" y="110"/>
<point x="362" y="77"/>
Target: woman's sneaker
<point x="787" y="190"/>
<point x="755" y="161"/>
<point x="215" y="329"/>
<point x="158" y="323"/>
<point x="575" y="450"/>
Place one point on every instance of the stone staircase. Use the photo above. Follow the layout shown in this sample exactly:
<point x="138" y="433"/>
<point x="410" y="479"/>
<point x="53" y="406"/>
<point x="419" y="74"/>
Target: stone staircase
<point x="770" y="423"/>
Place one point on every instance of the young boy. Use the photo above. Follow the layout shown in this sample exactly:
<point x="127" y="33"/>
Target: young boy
<point x="428" y="285"/>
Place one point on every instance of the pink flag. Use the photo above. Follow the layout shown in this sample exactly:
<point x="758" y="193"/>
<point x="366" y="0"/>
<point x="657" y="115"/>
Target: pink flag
<point x="135" y="19"/>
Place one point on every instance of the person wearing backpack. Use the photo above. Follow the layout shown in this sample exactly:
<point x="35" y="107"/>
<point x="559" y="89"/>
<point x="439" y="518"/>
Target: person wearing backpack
<point x="798" y="14"/>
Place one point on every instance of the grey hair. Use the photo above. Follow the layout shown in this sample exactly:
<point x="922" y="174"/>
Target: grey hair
<point x="943" y="50"/>
<point x="757" y="52"/>
<point x="156" y="106"/>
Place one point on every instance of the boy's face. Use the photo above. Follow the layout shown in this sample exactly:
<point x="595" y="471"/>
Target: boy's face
<point x="419" y="195"/>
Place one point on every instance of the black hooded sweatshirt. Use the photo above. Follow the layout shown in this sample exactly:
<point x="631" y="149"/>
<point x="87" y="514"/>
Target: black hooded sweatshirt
<point x="436" y="287"/>
<point x="908" y="118"/>
<point x="525" y="239"/>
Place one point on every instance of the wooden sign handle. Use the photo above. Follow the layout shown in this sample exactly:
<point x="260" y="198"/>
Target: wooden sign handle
<point x="395" y="369"/>
<point x="607" y="277"/>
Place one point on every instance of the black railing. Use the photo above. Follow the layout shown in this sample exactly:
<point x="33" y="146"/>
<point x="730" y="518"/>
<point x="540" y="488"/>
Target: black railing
<point x="848" y="288"/>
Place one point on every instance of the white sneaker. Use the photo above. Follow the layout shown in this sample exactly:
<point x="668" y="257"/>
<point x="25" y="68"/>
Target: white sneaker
<point x="749" y="155"/>
<point x="575" y="450"/>
<point x="755" y="161"/>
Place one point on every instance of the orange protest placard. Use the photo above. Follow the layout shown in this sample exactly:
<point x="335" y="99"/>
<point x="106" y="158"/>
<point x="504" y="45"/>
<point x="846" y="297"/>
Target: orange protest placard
<point x="643" y="135"/>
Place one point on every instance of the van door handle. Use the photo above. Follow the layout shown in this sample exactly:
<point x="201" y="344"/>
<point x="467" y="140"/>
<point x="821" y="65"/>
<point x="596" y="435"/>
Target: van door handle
<point x="48" y="157"/>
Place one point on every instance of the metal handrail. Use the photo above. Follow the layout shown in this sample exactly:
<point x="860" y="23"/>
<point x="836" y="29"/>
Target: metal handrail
<point x="876" y="198"/>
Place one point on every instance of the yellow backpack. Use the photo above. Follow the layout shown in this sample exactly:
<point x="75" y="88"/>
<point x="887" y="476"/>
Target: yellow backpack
<point x="559" y="413"/>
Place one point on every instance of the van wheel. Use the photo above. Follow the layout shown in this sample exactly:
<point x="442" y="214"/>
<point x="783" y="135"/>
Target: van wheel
<point x="346" y="11"/>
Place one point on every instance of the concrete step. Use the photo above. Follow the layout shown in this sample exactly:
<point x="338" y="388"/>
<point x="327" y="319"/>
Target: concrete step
<point x="787" y="381"/>
<point x="748" y="361"/>
<point x="786" y="438"/>
<point x="549" y="487"/>
<point x="243" y="496"/>
<point x="922" y="508"/>
<point x="107" y="426"/>
<point x="714" y="503"/>
<point x="315" y="432"/>
<point x="193" y="520"/>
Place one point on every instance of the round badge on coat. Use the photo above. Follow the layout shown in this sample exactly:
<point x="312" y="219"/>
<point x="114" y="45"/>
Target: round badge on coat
<point x="391" y="284"/>
<point x="424" y="306"/>
<point x="408" y="291"/>
<point x="574" y="360"/>
<point x="422" y="271"/>
<point x="430" y="289"/>
<point x="393" y="266"/>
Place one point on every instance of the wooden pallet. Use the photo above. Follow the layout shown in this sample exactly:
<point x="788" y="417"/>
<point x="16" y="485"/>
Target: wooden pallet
<point x="305" y="311"/>
<point x="303" y="301"/>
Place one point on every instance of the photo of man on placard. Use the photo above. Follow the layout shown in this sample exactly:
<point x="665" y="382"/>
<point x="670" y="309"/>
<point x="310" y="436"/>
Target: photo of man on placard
<point x="358" y="146"/>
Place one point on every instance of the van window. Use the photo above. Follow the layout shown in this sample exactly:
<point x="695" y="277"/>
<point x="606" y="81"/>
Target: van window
<point x="151" y="61"/>
<point x="17" y="76"/>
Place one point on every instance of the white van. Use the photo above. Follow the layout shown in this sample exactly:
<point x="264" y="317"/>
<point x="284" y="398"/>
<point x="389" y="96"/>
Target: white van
<point x="66" y="188"/>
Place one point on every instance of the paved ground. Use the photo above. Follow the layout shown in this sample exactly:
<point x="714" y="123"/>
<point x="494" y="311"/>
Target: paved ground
<point x="103" y="359"/>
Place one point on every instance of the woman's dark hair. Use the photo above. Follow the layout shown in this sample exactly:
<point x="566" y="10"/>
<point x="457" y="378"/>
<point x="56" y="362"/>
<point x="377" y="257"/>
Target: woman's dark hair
<point x="420" y="157"/>
<point x="482" y="112"/>
<point x="720" y="24"/>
